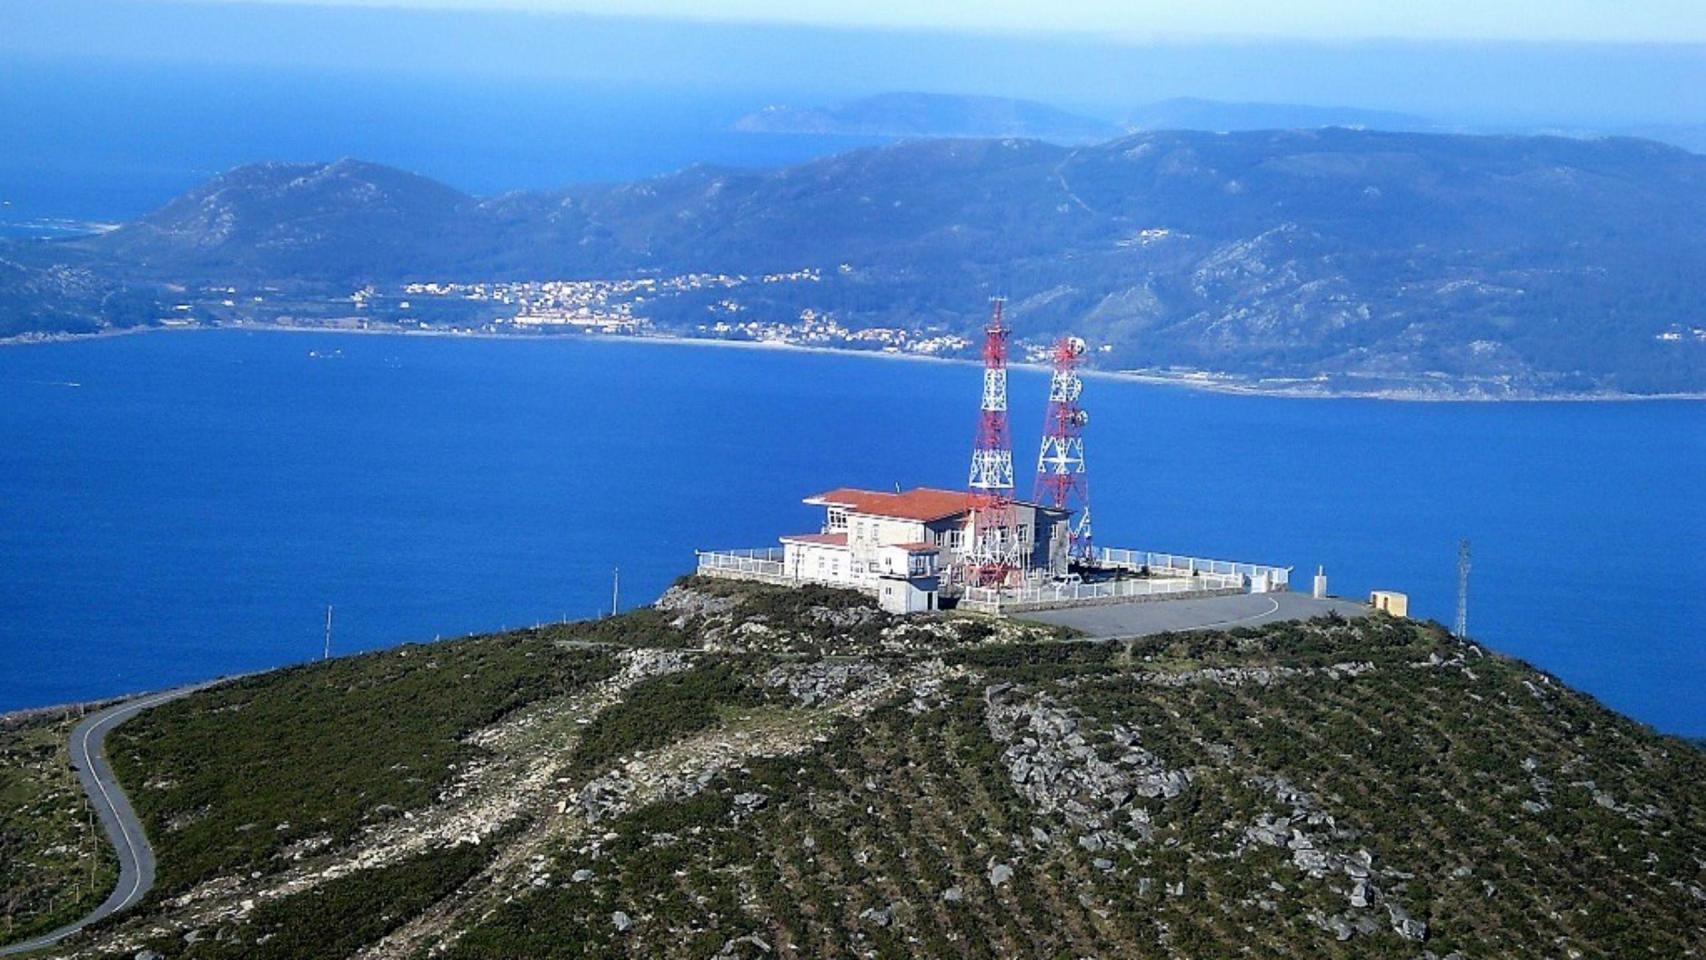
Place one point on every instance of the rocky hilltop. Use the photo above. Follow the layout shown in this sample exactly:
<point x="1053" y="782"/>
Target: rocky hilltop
<point x="1334" y="258"/>
<point x="751" y="772"/>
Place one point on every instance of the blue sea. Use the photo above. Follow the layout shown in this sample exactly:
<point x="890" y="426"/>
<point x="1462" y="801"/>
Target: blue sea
<point x="179" y="505"/>
<point x="99" y="141"/>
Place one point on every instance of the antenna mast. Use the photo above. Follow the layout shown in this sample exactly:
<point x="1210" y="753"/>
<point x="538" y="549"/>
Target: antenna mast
<point x="615" y="585"/>
<point x="1461" y="627"/>
<point x="326" y="654"/>
<point x="993" y="555"/>
<point x="1061" y="480"/>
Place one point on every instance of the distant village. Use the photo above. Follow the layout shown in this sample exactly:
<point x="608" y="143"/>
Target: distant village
<point x="623" y="307"/>
<point x="618" y="307"/>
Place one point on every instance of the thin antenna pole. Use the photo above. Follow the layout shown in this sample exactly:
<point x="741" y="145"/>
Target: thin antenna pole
<point x="1461" y="627"/>
<point x="615" y="588"/>
<point x="326" y="654"/>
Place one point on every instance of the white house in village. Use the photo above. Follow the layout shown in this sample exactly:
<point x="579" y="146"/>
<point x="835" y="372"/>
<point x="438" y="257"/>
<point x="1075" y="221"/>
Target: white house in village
<point x="899" y="545"/>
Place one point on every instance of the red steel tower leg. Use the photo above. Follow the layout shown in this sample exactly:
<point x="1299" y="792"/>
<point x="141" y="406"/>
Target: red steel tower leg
<point x="1061" y="480"/>
<point x="993" y="557"/>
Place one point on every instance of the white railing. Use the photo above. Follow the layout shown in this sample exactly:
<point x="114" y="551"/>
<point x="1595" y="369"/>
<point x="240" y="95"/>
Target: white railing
<point x="769" y="565"/>
<point x="1252" y="575"/>
<point x="1050" y="593"/>
<point x="1170" y="575"/>
<point x="764" y="562"/>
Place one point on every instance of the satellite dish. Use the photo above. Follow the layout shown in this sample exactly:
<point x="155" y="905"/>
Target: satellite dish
<point x="1076" y="346"/>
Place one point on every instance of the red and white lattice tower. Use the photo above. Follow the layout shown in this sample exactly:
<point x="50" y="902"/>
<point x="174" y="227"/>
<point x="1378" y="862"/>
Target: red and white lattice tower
<point x="993" y="557"/>
<point x="1061" y="480"/>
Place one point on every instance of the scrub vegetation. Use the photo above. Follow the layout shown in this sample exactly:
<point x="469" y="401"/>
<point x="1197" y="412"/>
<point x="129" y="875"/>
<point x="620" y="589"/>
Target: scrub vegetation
<point x="228" y="779"/>
<point x="53" y="866"/>
<point x="943" y="787"/>
<point x="663" y="709"/>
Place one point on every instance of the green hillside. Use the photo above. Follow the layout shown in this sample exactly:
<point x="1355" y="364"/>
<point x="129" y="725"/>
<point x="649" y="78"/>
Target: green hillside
<point x="54" y="866"/>
<point x="753" y="772"/>
<point x="1353" y="259"/>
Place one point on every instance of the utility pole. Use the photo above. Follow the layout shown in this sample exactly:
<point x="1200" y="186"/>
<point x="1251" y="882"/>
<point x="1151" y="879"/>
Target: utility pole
<point x="1461" y="627"/>
<point x="326" y="654"/>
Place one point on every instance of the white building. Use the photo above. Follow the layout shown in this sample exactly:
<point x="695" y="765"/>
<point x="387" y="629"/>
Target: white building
<point x="898" y="546"/>
<point x="907" y="548"/>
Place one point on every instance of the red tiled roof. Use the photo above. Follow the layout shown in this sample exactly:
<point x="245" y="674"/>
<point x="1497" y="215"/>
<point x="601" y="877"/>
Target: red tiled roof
<point x="919" y="503"/>
<point x="827" y="539"/>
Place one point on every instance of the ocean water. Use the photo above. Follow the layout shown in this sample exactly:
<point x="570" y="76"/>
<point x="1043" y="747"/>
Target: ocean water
<point x="109" y="142"/>
<point x="179" y="505"/>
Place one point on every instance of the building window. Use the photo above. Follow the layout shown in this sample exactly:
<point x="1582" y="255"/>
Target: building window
<point x="837" y="519"/>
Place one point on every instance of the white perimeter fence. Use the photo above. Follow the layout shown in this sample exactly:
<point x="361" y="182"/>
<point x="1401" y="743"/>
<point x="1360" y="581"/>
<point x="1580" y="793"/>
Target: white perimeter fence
<point x="1171" y="575"/>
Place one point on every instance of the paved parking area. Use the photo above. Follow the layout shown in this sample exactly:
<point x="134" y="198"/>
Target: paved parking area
<point x="1202" y="613"/>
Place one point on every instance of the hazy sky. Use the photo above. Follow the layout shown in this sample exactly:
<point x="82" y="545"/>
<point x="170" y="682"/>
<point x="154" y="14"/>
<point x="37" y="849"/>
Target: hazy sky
<point x="1541" y="20"/>
<point x="110" y="107"/>
<point x="1464" y="74"/>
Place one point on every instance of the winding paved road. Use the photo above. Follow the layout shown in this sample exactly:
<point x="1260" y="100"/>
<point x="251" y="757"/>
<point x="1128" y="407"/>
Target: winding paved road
<point x="135" y="856"/>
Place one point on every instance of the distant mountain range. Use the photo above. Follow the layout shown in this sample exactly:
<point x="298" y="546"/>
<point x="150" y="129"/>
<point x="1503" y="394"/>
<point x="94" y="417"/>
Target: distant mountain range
<point x="911" y="115"/>
<point x="932" y="115"/>
<point x="915" y="115"/>
<point x="1343" y="259"/>
<point x="1190" y="113"/>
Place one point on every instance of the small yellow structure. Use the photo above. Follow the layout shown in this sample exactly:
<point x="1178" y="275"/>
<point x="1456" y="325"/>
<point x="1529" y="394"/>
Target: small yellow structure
<point x="1390" y="601"/>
